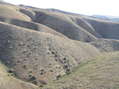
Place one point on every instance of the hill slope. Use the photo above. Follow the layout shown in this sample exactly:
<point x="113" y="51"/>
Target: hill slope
<point x="98" y="73"/>
<point x="9" y="11"/>
<point x="9" y="82"/>
<point x="54" y="49"/>
<point x="49" y="55"/>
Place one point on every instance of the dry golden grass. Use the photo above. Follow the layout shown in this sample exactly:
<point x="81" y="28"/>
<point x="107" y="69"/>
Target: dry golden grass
<point x="12" y="12"/>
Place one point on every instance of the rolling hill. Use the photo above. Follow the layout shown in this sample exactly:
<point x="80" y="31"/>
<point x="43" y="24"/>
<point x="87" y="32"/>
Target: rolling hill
<point x="54" y="49"/>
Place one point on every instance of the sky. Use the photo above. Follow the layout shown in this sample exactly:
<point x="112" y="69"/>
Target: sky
<point x="87" y="7"/>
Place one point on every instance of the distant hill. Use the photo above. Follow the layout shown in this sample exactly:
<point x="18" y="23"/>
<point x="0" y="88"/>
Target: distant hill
<point x="110" y="18"/>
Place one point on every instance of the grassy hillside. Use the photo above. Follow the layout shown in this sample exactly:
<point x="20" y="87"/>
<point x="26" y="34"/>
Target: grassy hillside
<point x="63" y="24"/>
<point x="31" y="26"/>
<point x="40" y="56"/>
<point x="106" y="45"/>
<point x="12" y="12"/>
<point x="7" y="81"/>
<point x="56" y="50"/>
<point x="107" y="29"/>
<point x="98" y="73"/>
